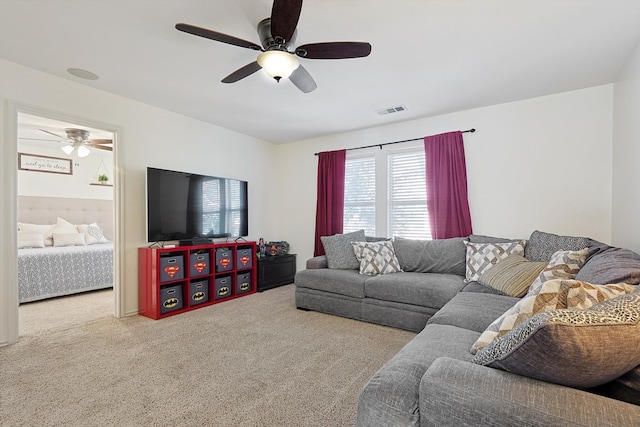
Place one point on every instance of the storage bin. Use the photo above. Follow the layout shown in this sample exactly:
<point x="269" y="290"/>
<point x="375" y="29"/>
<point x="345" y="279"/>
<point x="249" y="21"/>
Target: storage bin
<point x="243" y="283"/>
<point x="171" y="298"/>
<point x="199" y="264"/>
<point x="224" y="259"/>
<point x="198" y="292"/>
<point x="223" y="287"/>
<point x="171" y="268"/>
<point x="244" y="258"/>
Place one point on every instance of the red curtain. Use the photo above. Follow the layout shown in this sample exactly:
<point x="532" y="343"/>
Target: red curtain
<point x="330" y="204"/>
<point x="447" y="200"/>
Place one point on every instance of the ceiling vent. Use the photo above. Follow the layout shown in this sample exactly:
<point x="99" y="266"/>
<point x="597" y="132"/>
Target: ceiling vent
<point x="390" y="110"/>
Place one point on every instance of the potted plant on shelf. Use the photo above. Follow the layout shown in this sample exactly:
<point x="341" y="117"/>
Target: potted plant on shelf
<point x="103" y="178"/>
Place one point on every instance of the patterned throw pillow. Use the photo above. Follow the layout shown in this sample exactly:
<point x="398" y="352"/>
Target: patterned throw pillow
<point x="92" y="233"/>
<point x="376" y="258"/>
<point x="339" y="252"/>
<point x="577" y="348"/>
<point x="563" y="265"/>
<point x="512" y="276"/>
<point x="553" y="294"/>
<point x="541" y="246"/>
<point x="483" y="256"/>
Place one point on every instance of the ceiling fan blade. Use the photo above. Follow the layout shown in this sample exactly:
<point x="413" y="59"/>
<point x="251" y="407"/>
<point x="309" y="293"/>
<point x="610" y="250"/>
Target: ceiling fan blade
<point x="334" y="50"/>
<point x="214" y="35"/>
<point x="100" y="147"/>
<point x="284" y="19"/>
<point x="303" y="80"/>
<point x="243" y="72"/>
<point x="51" y="133"/>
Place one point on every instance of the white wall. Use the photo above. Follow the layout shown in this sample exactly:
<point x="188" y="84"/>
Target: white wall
<point x="626" y="156"/>
<point x="147" y="136"/>
<point x="543" y="163"/>
<point x="77" y="185"/>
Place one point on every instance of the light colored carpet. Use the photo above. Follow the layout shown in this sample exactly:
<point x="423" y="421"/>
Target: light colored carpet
<point x="254" y="361"/>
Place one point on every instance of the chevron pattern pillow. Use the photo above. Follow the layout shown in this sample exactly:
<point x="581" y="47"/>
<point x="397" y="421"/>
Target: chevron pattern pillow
<point x="553" y="294"/>
<point x="376" y="257"/>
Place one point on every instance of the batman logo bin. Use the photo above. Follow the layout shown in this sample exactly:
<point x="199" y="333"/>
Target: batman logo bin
<point x="224" y="259"/>
<point x="171" y="298"/>
<point x="223" y="288"/>
<point x="243" y="283"/>
<point x="199" y="292"/>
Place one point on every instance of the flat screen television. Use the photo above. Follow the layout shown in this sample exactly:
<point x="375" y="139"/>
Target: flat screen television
<point x="188" y="206"/>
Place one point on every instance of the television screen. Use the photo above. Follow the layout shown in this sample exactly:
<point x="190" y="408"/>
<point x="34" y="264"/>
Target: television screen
<point x="182" y="206"/>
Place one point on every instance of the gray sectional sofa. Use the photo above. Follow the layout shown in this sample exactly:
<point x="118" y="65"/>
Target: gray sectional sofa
<point x="436" y="380"/>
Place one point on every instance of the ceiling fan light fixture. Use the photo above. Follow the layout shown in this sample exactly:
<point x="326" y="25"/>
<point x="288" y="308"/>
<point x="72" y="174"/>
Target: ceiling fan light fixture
<point x="68" y="149"/>
<point x="278" y="64"/>
<point x="83" y="151"/>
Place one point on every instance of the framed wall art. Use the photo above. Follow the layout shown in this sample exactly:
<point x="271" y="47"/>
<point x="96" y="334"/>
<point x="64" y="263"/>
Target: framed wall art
<point x="36" y="163"/>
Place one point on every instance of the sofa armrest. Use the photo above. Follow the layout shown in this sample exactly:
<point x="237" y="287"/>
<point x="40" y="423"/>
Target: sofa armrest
<point x="458" y="393"/>
<point x="317" y="262"/>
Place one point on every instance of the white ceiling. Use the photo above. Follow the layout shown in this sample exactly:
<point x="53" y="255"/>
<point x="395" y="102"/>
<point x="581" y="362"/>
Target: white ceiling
<point x="433" y="57"/>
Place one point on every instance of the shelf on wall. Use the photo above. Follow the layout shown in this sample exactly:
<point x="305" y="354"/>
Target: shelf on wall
<point x="100" y="184"/>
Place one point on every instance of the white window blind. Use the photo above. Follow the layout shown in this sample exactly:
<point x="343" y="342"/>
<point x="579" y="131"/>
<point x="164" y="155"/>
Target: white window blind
<point x="360" y="195"/>
<point x="406" y="196"/>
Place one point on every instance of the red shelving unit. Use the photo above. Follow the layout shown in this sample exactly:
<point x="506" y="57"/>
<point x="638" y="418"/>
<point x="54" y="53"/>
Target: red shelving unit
<point x="184" y="278"/>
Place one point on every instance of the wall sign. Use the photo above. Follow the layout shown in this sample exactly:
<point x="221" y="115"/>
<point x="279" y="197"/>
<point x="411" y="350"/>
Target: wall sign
<point x="33" y="162"/>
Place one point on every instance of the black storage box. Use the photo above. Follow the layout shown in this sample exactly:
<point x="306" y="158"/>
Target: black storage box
<point x="198" y="292"/>
<point x="243" y="283"/>
<point x="171" y="298"/>
<point x="244" y="258"/>
<point x="171" y="268"/>
<point x="223" y="287"/>
<point x="199" y="264"/>
<point x="224" y="259"/>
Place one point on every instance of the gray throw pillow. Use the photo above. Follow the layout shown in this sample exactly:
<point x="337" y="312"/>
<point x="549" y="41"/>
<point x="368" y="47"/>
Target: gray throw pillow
<point x="573" y="347"/>
<point x="613" y="265"/>
<point x="446" y="256"/>
<point x="340" y="255"/>
<point x="542" y="245"/>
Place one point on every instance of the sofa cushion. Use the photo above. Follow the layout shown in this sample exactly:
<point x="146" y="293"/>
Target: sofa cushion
<point x="445" y="256"/>
<point x="339" y="250"/>
<point x="478" y="288"/>
<point x="426" y="289"/>
<point x="625" y="388"/>
<point x="479" y="238"/>
<point x="480" y="257"/>
<point x="512" y="275"/>
<point x="553" y="294"/>
<point x="391" y="397"/>
<point x="611" y="265"/>
<point x="576" y="348"/>
<point x="541" y="245"/>
<point x="376" y="257"/>
<point x="473" y="311"/>
<point x="343" y="282"/>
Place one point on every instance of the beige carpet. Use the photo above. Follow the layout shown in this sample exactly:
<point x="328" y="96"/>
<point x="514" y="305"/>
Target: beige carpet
<point x="254" y="361"/>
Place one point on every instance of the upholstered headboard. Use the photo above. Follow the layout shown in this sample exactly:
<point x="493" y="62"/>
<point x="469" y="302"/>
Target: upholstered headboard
<point x="46" y="210"/>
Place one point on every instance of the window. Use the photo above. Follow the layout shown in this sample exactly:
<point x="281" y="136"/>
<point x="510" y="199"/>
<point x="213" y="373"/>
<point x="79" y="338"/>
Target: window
<point x="360" y="195"/>
<point x="385" y="193"/>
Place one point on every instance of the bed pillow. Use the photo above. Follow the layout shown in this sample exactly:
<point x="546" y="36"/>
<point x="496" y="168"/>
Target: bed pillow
<point x="480" y="257"/>
<point x="45" y="229"/>
<point x="64" y="226"/>
<point x="376" y="257"/>
<point x="30" y="240"/>
<point x="512" y="276"/>
<point x="93" y="233"/>
<point x="553" y="294"/>
<point x="68" y="239"/>
<point x="339" y="251"/>
<point x="541" y="246"/>
<point x="578" y="348"/>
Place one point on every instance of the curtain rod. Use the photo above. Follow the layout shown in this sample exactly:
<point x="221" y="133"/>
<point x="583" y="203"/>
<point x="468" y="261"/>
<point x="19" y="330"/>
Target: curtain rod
<point x="395" y="142"/>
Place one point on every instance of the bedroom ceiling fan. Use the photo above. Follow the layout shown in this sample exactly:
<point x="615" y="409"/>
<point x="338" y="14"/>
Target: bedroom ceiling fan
<point x="279" y="57"/>
<point x="78" y="140"/>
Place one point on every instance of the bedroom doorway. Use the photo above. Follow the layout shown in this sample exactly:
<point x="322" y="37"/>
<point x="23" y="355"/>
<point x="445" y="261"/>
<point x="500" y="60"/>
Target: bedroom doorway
<point x="65" y="191"/>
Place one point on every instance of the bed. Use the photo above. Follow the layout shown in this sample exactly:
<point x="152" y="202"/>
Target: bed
<point x="80" y="260"/>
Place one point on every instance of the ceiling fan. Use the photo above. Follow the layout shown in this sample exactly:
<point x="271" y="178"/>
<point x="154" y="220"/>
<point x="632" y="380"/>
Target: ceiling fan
<point x="78" y="140"/>
<point x="279" y="56"/>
